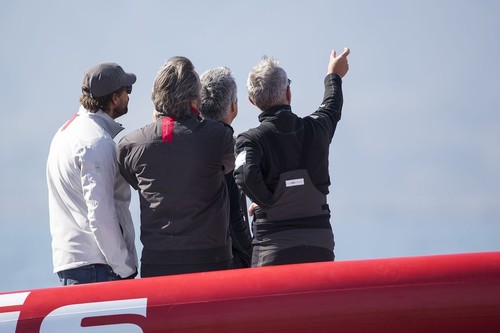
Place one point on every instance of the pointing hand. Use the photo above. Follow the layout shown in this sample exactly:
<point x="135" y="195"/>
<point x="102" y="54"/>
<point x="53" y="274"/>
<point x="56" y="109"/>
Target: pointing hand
<point x="339" y="65"/>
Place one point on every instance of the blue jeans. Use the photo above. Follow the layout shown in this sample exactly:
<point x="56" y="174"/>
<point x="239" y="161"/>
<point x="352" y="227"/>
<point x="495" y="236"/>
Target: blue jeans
<point x="87" y="274"/>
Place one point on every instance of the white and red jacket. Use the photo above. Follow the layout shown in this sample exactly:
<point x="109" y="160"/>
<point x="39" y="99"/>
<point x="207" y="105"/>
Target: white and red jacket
<point x="90" y="221"/>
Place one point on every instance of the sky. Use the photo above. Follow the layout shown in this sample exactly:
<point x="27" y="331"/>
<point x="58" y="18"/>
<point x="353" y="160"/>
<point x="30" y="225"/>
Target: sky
<point x="415" y="160"/>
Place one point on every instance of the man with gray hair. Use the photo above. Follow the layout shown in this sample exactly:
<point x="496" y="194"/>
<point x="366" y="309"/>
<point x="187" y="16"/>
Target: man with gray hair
<point x="219" y="102"/>
<point x="282" y="166"/>
<point x="177" y="164"/>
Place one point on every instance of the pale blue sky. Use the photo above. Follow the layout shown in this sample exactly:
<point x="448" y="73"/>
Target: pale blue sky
<point x="415" y="160"/>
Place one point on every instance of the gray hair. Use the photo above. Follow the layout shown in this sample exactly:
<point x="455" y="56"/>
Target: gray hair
<point x="218" y="92"/>
<point x="267" y="84"/>
<point x="176" y="85"/>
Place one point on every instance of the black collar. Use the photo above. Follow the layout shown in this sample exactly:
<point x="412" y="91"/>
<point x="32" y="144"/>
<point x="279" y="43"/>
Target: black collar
<point x="273" y="111"/>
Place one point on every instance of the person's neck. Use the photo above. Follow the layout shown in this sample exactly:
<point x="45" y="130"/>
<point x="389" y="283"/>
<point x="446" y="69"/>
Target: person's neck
<point x="228" y="119"/>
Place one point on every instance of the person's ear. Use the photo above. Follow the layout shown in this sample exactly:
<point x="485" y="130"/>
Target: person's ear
<point x="195" y="104"/>
<point x="115" y="98"/>
<point x="234" y="108"/>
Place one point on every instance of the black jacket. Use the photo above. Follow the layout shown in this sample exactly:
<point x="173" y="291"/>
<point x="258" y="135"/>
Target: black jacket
<point x="239" y="230"/>
<point x="178" y="167"/>
<point x="285" y="142"/>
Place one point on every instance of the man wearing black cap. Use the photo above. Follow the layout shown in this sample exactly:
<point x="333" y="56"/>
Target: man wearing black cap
<point x="90" y="222"/>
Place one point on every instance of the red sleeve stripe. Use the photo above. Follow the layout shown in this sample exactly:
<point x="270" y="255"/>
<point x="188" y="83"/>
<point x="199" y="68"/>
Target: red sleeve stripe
<point x="69" y="121"/>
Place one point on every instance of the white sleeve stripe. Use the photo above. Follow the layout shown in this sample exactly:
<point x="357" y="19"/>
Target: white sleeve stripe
<point x="241" y="159"/>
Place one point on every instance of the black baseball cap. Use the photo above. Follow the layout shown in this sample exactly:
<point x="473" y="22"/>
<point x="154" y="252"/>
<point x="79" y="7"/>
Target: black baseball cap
<point x="106" y="78"/>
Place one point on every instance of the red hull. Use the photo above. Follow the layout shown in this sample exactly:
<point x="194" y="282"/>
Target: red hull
<point x="444" y="293"/>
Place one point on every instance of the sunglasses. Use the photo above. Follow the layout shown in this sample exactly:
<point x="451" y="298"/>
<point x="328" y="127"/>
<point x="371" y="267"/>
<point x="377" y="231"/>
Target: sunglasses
<point x="128" y="89"/>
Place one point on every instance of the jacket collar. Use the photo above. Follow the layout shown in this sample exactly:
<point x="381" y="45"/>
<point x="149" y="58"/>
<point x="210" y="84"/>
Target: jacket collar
<point x="104" y="120"/>
<point x="274" y="111"/>
<point x="227" y="126"/>
<point x="193" y="114"/>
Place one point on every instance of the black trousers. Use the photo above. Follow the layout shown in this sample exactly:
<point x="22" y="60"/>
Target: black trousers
<point x="150" y="270"/>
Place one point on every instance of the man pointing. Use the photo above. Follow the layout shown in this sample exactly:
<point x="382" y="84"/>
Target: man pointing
<point x="282" y="166"/>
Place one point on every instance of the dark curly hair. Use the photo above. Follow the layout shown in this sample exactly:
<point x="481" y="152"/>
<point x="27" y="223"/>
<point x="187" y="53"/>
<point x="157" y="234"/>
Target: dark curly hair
<point x="93" y="104"/>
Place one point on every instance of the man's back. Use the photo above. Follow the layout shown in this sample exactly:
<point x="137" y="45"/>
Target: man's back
<point x="282" y="166"/>
<point x="85" y="190"/>
<point x="183" y="195"/>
